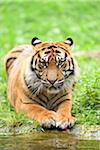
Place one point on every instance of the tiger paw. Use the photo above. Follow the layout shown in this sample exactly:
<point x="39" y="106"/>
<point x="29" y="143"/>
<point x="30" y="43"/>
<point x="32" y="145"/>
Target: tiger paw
<point x="47" y="119"/>
<point x="64" y="121"/>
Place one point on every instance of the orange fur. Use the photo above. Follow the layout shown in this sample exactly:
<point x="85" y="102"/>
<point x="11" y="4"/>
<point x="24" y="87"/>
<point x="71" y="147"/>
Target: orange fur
<point x="49" y="105"/>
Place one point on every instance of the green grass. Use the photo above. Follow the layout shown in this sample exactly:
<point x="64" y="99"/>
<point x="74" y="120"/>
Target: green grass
<point x="86" y="105"/>
<point x="54" y="20"/>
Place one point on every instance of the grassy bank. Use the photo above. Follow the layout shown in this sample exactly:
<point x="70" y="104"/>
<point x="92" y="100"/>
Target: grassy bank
<point x="54" y="20"/>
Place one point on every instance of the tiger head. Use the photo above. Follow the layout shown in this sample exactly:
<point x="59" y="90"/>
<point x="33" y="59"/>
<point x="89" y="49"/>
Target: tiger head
<point x="53" y="64"/>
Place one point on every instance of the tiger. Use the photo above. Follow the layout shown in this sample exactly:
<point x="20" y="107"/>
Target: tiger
<point x="41" y="77"/>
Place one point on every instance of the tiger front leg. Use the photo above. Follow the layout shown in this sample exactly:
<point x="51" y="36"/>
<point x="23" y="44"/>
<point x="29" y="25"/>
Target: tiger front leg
<point x="45" y="117"/>
<point x="64" y="118"/>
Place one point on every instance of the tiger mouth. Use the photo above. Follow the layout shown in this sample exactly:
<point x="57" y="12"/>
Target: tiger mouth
<point x="57" y="86"/>
<point x="53" y="89"/>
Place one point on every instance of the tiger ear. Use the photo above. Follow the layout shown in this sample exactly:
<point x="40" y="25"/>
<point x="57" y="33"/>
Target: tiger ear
<point x="35" y="41"/>
<point x="69" y="41"/>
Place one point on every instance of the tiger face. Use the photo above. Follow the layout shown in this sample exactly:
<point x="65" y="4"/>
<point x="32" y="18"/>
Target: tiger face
<point x="53" y="65"/>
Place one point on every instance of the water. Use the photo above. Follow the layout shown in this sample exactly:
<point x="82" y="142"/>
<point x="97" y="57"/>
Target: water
<point x="47" y="141"/>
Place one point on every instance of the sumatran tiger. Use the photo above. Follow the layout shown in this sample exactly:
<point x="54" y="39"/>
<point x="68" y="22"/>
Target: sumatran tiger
<point x="41" y="77"/>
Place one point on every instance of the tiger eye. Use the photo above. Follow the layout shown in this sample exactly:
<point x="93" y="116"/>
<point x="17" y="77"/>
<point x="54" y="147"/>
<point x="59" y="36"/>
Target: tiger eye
<point x="40" y="66"/>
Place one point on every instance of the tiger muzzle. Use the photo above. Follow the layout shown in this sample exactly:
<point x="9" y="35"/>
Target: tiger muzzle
<point x="52" y="81"/>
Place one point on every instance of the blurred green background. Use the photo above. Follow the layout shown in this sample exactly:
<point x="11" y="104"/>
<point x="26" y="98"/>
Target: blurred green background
<point x="55" y="20"/>
<point x="50" y="20"/>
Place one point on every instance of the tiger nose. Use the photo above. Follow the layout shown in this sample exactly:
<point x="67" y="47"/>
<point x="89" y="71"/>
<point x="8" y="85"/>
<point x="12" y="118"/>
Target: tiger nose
<point x="52" y="81"/>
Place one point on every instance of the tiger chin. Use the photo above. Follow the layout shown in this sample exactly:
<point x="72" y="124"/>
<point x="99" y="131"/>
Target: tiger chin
<point x="41" y="78"/>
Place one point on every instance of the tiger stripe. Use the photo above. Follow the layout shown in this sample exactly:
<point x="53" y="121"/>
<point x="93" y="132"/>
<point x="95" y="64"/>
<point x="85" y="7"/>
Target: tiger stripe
<point x="41" y="79"/>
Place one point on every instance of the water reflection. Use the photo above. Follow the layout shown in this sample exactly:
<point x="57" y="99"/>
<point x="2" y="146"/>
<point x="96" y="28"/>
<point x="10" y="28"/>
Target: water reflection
<point x="48" y="140"/>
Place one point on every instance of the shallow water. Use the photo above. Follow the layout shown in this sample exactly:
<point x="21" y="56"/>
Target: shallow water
<point x="47" y="140"/>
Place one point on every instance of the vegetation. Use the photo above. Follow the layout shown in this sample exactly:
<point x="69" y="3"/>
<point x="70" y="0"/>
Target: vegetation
<point x="54" y="20"/>
<point x="87" y="93"/>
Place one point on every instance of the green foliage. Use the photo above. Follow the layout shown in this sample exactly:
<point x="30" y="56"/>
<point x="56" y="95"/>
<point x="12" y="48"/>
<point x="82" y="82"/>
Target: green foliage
<point x="87" y="92"/>
<point x="50" y="20"/>
<point x="53" y="20"/>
